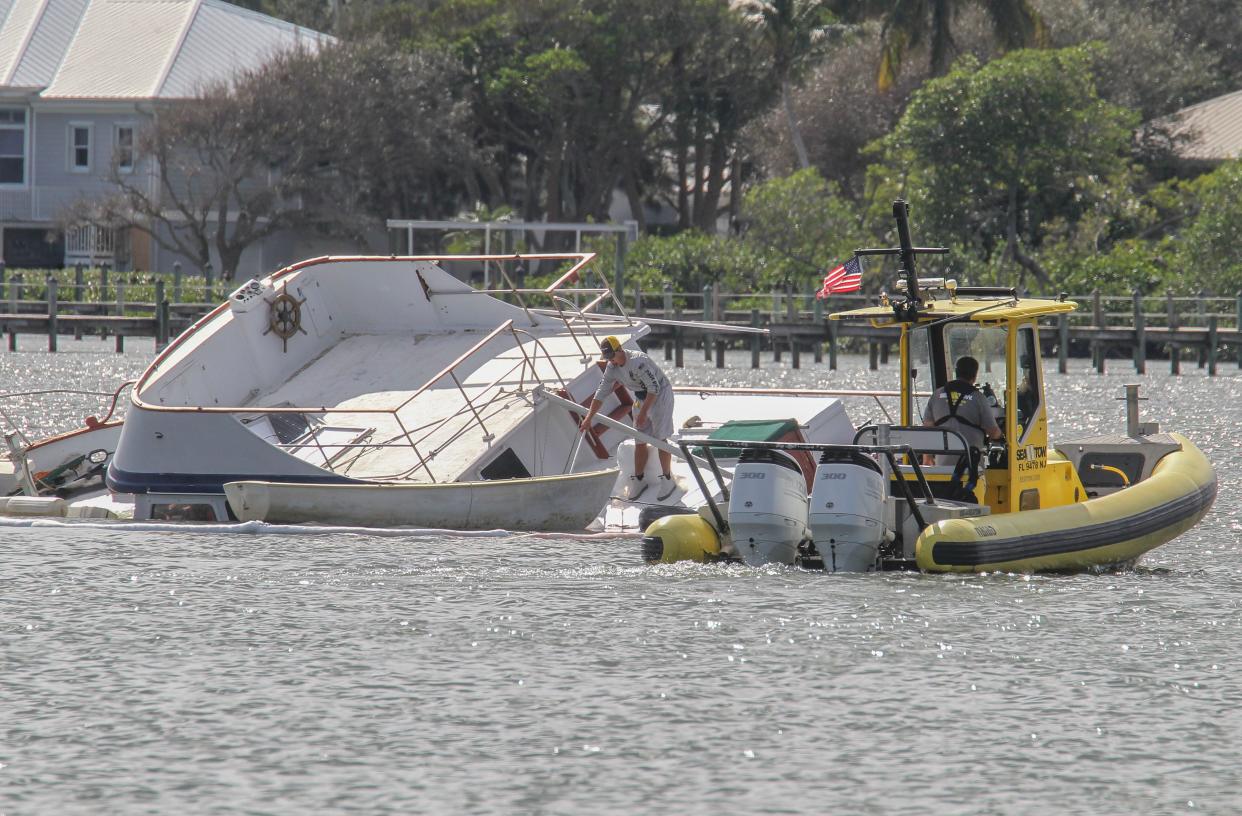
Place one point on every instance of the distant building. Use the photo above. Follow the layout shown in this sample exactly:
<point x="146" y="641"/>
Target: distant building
<point x="1212" y="130"/>
<point x="76" y="81"/>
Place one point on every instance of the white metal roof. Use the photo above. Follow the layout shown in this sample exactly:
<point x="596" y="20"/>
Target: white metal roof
<point x="47" y="43"/>
<point x="223" y="38"/>
<point x="134" y="49"/>
<point x="1216" y="125"/>
<point x="19" y="23"/>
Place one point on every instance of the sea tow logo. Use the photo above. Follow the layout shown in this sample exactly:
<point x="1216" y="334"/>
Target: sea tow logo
<point x="1032" y="457"/>
<point x="752" y="474"/>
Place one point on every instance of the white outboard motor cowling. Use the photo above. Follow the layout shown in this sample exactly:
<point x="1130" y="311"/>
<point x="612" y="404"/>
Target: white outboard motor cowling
<point x="767" y="507"/>
<point x="847" y="511"/>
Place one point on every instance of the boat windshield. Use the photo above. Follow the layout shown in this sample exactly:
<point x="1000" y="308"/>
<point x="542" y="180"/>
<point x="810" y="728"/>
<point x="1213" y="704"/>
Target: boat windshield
<point x="987" y="345"/>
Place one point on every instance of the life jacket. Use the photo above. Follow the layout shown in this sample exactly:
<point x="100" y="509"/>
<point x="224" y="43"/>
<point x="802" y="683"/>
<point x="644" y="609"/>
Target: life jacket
<point x="963" y="389"/>
<point x="967" y="465"/>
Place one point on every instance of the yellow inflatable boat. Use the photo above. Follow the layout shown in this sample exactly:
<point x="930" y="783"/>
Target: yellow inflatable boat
<point x="1107" y="531"/>
<point x="924" y="493"/>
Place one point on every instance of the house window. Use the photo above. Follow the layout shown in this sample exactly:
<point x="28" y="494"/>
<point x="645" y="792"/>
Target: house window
<point x="80" y="148"/>
<point x="125" y="148"/>
<point x="12" y="146"/>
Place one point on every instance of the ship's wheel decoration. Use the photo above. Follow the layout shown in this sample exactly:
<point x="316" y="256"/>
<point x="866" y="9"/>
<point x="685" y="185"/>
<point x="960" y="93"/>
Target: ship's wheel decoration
<point x="284" y="316"/>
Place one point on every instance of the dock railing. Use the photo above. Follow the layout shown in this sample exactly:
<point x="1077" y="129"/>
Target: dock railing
<point x="160" y="305"/>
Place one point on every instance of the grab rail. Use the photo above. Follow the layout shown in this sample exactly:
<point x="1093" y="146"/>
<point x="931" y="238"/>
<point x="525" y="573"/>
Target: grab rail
<point x="91" y="422"/>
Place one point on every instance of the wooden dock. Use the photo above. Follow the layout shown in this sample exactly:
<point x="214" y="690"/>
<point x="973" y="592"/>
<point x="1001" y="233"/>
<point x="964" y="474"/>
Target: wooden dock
<point x="1134" y="329"/>
<point x="1108" y="329"/>
<point x="1058" y="339"/>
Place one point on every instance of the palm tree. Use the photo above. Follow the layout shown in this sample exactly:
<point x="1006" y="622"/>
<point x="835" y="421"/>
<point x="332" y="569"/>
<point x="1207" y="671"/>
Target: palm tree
<point x="907" y="24"/>
<point x="795" y="32"/>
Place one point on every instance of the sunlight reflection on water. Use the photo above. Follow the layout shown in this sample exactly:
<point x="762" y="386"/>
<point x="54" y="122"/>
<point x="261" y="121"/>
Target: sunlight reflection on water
<point x="277" y="672"/>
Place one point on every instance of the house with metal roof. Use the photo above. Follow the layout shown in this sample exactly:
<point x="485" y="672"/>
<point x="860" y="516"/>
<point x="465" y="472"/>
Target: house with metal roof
<point x="77" y="82"/>
<point x="1211" y="130"/>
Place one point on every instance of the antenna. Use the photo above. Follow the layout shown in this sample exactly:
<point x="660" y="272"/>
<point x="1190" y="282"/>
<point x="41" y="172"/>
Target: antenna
<point x="907" y="310"/>
<point x="901" y="212"/>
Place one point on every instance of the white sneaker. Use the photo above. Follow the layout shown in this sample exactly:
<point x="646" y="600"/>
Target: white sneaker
<point x="667" y="485"/>
<point x="638" y="486"/>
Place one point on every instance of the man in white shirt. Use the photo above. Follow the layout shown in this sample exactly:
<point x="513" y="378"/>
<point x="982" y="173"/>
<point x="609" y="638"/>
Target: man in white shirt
<point x="651" y="388"/>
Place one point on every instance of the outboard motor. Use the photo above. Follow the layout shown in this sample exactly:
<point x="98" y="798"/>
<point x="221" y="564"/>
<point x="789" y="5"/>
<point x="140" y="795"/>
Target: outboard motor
<point x="847" y="511"/>
<point x="767" y="507"/>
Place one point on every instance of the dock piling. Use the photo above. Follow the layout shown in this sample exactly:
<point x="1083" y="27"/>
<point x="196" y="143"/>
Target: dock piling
<point x="52" y="308"/>
<point x="679" y="360"/>
<point x="832" y="345"/>
<point x="1199" y="307"/>
<point x="14" y="295"/>
<point x="1063" y="343"/>
<point x="1140" y="335"/>
<point x="1211" y="346"/>
<point x="161" y="316"/>
<point x="754" y="338"/>
<point x="707" y="315"/>
<point x="668" y="310"/>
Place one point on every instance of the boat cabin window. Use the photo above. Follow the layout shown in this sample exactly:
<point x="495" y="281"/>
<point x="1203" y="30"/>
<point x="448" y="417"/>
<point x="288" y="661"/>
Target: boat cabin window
<point x="923" y="380"/>
<point x="1028" y="391"/>
<point x="987" y="345"/>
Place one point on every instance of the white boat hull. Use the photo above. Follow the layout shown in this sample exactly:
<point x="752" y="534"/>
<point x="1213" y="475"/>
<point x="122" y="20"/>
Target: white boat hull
<point x="545" y="503"/>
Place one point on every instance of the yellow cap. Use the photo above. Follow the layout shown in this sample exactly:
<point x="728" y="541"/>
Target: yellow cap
<point x="609" y="346"/>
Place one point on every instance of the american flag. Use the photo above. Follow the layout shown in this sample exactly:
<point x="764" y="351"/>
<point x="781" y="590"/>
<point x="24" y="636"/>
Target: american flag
<point x="845" y="278"/>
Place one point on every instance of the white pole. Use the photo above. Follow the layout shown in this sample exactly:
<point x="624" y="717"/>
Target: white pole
<point x="487" y="250"/>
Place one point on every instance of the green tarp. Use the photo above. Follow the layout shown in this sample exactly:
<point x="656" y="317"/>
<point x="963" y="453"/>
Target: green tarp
<point x="749" y="430"/>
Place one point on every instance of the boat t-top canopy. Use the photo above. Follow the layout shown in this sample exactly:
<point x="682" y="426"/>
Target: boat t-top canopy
<point x="961" y="306"/>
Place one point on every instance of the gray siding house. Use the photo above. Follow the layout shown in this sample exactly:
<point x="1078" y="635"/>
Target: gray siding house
<point x="77" y="79"/>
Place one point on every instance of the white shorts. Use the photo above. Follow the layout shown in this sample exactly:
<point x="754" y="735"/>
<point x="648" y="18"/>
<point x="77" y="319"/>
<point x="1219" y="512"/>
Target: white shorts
<point x="660" y="417"/>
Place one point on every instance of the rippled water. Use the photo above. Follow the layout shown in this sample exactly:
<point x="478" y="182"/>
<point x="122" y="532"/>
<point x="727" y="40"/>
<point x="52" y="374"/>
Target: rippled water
<point x="252" y="672"/>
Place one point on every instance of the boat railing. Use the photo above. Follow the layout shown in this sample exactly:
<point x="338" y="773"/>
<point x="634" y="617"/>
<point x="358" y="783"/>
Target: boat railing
<point x="559" y="293"/>
<point x="22" y="430"/>
<point x="561" y="302"/>
<point x="475" y="408"/>
<point x="875" y="395"/>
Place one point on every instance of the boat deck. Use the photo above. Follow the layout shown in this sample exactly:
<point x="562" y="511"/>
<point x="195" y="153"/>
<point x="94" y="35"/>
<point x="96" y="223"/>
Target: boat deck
<point x="365" y="379"/>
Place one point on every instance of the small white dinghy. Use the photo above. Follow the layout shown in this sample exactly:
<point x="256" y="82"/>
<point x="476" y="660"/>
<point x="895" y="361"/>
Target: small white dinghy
<point x="511" y="504"/>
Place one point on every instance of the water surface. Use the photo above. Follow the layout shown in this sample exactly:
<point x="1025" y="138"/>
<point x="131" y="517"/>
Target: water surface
<point x="254" y="670"/>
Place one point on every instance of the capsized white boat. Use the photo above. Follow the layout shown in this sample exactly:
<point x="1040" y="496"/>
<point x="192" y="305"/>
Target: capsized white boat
<point x="372" y="371"/>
